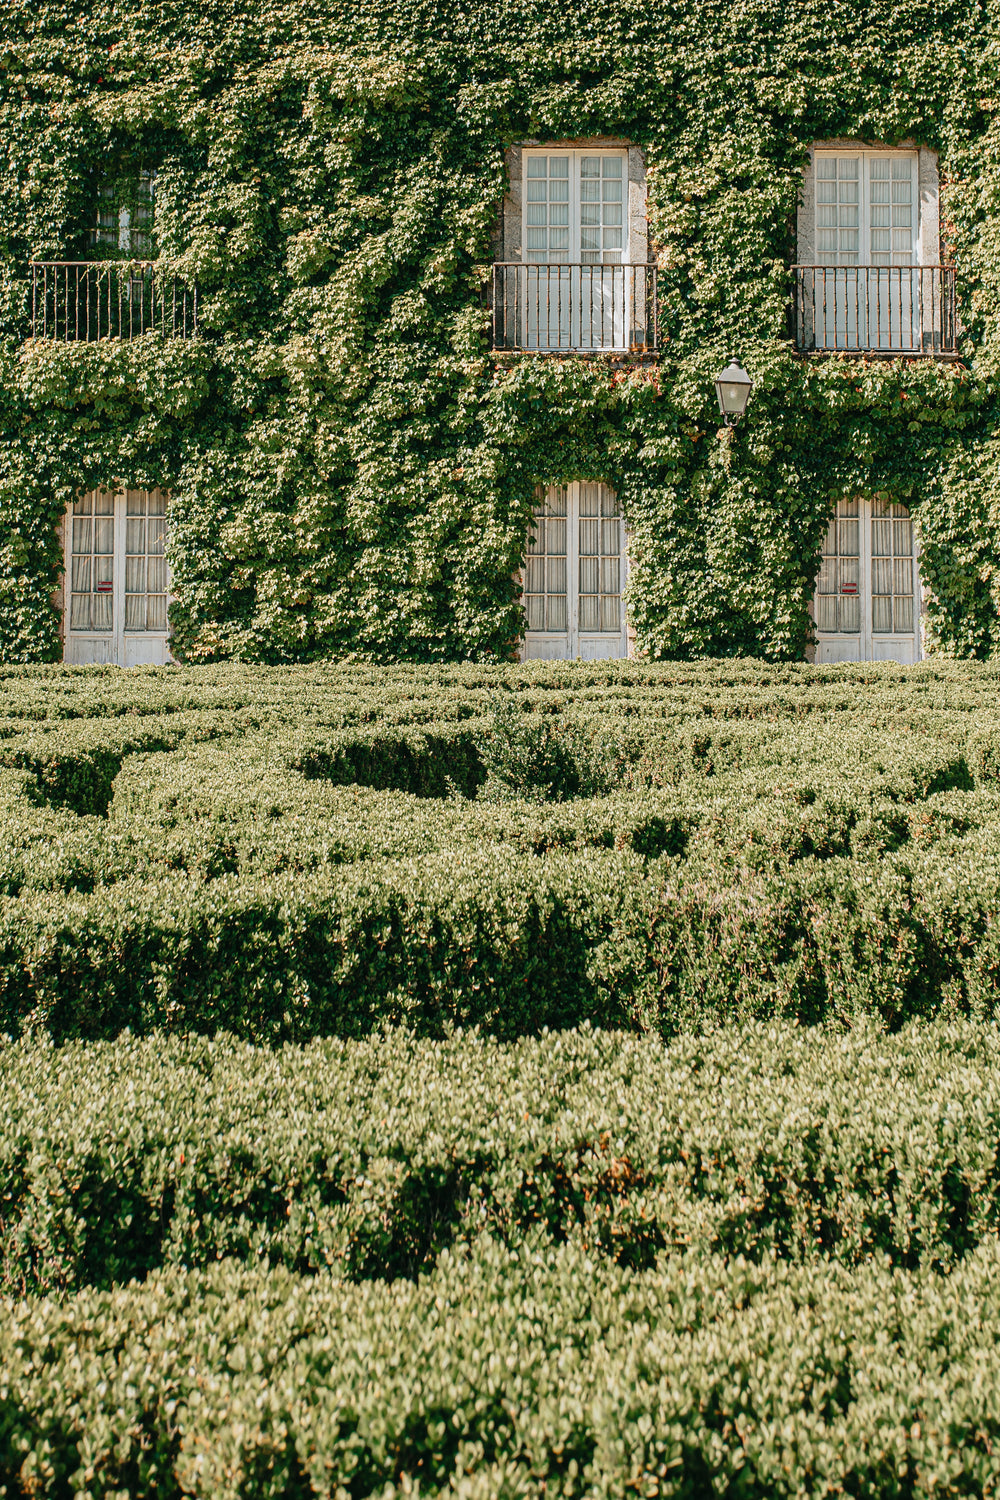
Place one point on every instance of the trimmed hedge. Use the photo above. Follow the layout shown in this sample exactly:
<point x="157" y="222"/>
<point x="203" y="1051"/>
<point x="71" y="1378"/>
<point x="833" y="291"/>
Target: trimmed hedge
<point x="638" y="846"/>
<point x="370" y="1158"/>
<point x="511" y="1373"/>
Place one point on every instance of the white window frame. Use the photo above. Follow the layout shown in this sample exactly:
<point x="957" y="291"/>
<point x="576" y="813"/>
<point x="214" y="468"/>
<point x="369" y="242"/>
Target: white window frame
<point x="864" y="156"/>
<point x="865" y="644"/>
<point x="573" y="644"/>
<point x="117" y="646"/>
<point x="576" y="299"/>
<point x="574" y="253"/>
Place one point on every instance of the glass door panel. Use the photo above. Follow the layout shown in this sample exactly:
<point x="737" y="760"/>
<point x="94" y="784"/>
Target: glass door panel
<point x="866" y="605"/>
<point x="117" y="579"/>
<point x="866" y="247"/>
<point x="574" y="573"/>
<point x="574" y="288"/>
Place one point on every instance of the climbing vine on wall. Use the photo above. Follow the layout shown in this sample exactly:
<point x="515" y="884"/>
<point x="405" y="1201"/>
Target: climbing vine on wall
<point x="351" y="470"/>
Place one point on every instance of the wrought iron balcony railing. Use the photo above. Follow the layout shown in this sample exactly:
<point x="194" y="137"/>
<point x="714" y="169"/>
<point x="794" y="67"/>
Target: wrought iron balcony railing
<point x="84" y="300"/>
<point x="575" y="308"/>
<point x="876" y="309"/>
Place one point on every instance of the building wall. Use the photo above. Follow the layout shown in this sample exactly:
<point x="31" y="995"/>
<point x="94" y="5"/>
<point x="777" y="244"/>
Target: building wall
<point x="351" y="468"/>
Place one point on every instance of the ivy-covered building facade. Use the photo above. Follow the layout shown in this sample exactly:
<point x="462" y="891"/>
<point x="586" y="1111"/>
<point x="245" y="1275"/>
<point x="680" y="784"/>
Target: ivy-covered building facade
<point x="392" y="331"/>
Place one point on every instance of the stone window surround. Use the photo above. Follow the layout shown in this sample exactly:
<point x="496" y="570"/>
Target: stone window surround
<point x="928" y="197"/>
<point x="507" y="238"/>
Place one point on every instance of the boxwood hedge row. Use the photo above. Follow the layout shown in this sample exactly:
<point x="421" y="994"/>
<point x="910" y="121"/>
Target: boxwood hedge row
<point x="526" y="1372"/>
<point x="289" y="853"/>
<point x="370" y="1158"/>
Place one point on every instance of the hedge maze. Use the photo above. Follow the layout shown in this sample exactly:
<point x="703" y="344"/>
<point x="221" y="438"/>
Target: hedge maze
<point x="500" y="1081"/>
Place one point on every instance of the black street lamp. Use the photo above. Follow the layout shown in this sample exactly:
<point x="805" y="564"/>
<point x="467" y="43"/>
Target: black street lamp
<point x="733" y="389"/>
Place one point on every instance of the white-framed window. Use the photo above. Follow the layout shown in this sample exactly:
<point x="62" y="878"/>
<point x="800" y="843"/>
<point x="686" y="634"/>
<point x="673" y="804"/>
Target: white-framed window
<point x="867" y="208"/>
<point x="574" y="575"/>
<point x="117" y="578"/>
<point x="867" y="601"/>
<point x="575" y="206"/>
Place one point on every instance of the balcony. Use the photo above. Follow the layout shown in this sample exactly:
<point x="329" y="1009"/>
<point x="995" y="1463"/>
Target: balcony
<point x="84" y="300"/>
<point x="879" y="310"/>
<point x="572" y="308"/>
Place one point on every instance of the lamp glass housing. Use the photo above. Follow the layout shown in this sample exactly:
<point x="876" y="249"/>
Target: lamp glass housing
<point x="733" y="387"/>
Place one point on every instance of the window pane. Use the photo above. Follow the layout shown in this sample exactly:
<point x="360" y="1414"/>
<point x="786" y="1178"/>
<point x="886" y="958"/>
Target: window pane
<point x="881" y="615"/>
<point x="79" y="612"/>
<point x="848" y="538"/>
<point x="589" y="538"/>
<point x="881" y="575"/>
<point x="850" y="615"/>
<point x="135" y="612"/>
<point x="156" y="612"/>
<point x="610" y="612"/>
<point x="881" y="538"/>
<point x="826" y="612"/>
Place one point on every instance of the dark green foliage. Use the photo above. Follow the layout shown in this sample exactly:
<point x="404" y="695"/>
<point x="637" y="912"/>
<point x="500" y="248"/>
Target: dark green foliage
<point x="372" y="1157"/>
<point x="747" y="1256"/>
<point x="536" y="1372"/>
<point x="351" y="472"/>
<point x="551" y="759"/>
<point x="636" y="846"/>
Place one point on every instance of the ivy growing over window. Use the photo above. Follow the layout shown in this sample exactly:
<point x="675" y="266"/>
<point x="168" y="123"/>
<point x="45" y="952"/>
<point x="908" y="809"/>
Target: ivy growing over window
<point x="351" y="471"/>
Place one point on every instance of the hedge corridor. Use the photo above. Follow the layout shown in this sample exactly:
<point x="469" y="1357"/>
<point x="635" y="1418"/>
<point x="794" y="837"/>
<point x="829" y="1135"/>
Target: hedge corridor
<point x="327" y="850"/>
<point x="487" y="1081"/>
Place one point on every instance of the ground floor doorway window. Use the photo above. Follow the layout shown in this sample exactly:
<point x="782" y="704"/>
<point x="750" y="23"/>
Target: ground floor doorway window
<point x="867" y="603"/>
<point x="117" y="580"/>
<point x="574" y="575"/>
